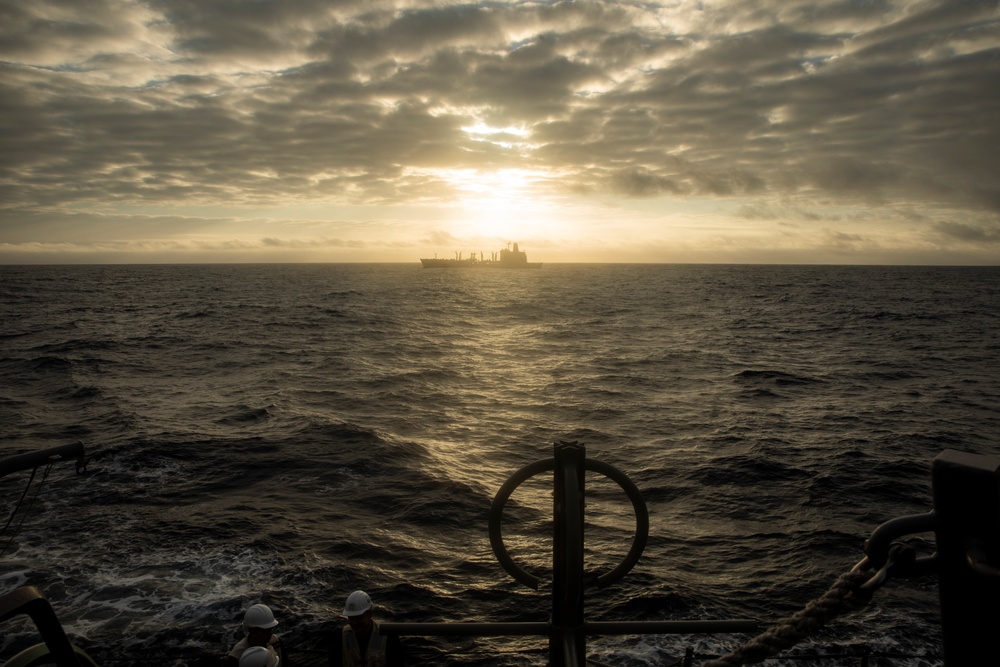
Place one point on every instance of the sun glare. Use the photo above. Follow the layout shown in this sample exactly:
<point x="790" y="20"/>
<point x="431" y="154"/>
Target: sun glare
<point x="506" y="203"/>
<point x="510" y="137"/>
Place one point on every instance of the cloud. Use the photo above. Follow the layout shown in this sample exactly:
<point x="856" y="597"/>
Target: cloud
<point x="119" y="107"/>
<point x="642" y="183"/>
<point x="969" y="233"/>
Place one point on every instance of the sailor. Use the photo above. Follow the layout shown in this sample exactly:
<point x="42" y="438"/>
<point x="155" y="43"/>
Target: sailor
<point x="259" y="622"/>
<point x="259" y="656"/>
<point x="359" y="643"/>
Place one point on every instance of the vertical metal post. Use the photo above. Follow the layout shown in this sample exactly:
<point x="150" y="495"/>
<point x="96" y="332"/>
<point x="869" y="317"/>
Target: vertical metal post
<point x="568" y="642"/>
<point x="967" y="505"/>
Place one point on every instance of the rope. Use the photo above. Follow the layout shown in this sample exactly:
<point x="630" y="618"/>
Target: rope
<point x="846" y="595"/>
<point x="24" y="514"/>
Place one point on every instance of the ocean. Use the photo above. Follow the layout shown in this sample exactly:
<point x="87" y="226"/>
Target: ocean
<point x="287" y="434"/>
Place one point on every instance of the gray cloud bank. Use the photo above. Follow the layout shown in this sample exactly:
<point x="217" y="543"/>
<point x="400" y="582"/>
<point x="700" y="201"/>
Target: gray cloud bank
<point x="801" y="104"/>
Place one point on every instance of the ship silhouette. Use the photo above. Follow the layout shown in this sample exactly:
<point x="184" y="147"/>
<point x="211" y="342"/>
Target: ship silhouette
<point x="504" y="259"/>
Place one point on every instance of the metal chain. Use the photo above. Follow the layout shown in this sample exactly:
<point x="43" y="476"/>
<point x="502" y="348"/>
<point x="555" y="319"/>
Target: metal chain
<point x="851" y="591"/>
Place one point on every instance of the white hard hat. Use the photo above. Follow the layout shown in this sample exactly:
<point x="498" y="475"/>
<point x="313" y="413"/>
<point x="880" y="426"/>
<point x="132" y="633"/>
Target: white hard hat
<point x="259" y="656"/>
<point x="259" y="616"/>
<point x="358" y="603"/>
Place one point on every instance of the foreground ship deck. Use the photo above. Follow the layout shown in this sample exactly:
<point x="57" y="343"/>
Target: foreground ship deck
<point x="965" y="488"/>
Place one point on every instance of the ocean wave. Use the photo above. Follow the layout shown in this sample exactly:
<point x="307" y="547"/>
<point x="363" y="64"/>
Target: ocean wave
<point x="345" y="427"/>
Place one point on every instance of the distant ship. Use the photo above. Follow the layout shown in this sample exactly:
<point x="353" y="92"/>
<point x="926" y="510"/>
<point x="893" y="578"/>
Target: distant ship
<point x="505" y="259"/>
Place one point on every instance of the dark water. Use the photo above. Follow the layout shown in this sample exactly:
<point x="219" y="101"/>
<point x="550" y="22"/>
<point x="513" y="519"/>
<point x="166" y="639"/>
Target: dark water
<point x="289" y="433"/>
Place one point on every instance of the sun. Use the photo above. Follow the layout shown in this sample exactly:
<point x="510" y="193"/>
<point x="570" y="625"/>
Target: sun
<point x="501" y="204"/>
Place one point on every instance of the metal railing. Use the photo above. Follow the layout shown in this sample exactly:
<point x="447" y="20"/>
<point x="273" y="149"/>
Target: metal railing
<point x="966" y="525"/>
<point x="568" y="629"/>
<point x="965" y="521"/>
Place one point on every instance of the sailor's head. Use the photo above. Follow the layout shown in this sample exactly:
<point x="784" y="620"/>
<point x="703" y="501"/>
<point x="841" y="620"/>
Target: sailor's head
<point x="358" y="610"/>
<point x="357" y="604"/>
<point x="259" y="620"/>
<point x="259" y="656"/>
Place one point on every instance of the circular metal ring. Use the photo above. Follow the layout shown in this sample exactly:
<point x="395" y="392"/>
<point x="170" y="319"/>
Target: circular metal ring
<point x="532" y="469"/>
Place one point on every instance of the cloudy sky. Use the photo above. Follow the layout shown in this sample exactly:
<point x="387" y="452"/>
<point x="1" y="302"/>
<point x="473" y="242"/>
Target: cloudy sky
<point x="835" y="131"/>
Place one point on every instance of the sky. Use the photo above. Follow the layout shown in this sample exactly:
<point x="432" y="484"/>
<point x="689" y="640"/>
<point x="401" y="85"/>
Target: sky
<point x="720" y="131"/>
